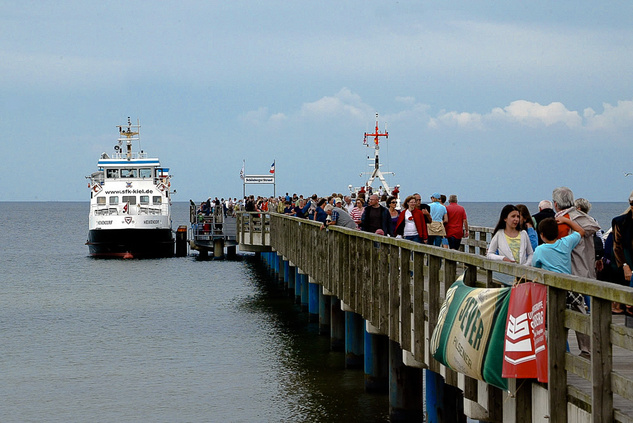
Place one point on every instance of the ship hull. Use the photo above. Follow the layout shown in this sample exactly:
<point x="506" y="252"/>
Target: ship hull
<point x="131" y="243"/>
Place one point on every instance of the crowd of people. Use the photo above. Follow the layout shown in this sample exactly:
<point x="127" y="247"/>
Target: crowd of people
<point x="218" y="208"/>
<point x="376" y="213"/>
<point x="561" y="236"/>
<point x="517" y="235"/>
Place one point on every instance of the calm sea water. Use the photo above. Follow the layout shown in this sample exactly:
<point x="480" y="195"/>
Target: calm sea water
<point x="169" y="340"/>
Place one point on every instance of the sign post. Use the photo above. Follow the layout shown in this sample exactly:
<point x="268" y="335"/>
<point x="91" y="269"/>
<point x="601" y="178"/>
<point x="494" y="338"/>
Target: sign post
<point x="259" y="179"/>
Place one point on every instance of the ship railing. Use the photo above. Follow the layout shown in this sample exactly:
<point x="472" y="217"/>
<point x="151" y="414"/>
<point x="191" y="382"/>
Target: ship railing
<point x="150" y="211"/>
<point x="208" y="227"/>
<point x="97" y="177"/>
<point x="135" y="155"/>
<point x="108" y="211"/>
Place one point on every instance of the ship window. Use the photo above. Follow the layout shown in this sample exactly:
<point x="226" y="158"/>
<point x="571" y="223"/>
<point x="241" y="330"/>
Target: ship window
<point x="112" y="173"/>
<point x="129" y="173"/>
<point x="114" y="200"/>
<point x="101" y="201"/>
<point x="157" y="199"/>
<point x="131" y="199"/>
<point x="144" y="199"/>
<point x="146" y="172"/>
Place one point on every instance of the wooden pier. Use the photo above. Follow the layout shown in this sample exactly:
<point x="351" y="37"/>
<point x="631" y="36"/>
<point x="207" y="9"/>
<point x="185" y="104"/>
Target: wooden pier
<point x="398" y="287"/>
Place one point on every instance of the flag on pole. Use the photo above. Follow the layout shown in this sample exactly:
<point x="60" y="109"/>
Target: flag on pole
<point x="272" y="167"/>
<point x="242" y="171"/>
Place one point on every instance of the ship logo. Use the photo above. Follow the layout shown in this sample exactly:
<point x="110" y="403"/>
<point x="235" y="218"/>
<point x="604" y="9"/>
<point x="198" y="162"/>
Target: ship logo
<point x="128" y="220"/>
<point x="128" y="184"/>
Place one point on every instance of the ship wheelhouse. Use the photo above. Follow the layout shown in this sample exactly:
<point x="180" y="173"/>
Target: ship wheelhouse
<point x="142" y="183"/>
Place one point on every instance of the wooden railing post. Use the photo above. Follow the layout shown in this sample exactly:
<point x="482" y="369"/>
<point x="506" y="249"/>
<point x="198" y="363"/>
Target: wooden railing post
<point x="450" y="274"/>
<point x="251" y="228"/>
<point x="418" y="306"/>
<point x="434" y="301"/>
<point x="384" y="292"/>
<point x="482" y="237"/>
<point x="601" y="361"/>
<point x="557" y="375"/>
<point x="405" y="300"/>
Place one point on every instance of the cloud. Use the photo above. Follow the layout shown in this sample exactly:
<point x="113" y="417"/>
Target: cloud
<point x="520" y="111"/>
<point x="346" y="104"/>
<point x="343" y="104"/>
<point x="532" y="114"/>
<point x="463" y="119"/>
<point x="278" y="117"/>
<point x="613" y="117"/>
<point x="255" y="117"/>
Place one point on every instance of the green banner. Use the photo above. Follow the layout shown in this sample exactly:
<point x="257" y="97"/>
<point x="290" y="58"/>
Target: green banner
<point x="469" y="335"/>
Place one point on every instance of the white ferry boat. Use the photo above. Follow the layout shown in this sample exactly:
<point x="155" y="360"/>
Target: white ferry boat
<point x="130" y="203"/>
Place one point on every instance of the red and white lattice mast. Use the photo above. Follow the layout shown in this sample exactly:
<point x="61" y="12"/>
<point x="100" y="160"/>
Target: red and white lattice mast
<point x="376" y="173"/>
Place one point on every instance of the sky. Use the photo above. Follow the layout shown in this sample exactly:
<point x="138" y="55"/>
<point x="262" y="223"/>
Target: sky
<point x="492" y="101"/>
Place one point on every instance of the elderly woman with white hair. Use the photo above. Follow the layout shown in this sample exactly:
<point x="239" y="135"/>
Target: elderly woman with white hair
<point x="583" y="205"/>
<point x="545" y="210"/>
<point x="583" y="257"/>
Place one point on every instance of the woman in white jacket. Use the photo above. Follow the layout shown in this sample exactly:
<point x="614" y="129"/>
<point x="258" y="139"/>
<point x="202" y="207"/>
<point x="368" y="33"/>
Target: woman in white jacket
<point x="509" y="243"/>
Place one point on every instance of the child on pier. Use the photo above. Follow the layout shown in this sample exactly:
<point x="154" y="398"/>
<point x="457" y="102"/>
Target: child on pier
<point x="509" y="242"/>
<point x="555" y="255"/>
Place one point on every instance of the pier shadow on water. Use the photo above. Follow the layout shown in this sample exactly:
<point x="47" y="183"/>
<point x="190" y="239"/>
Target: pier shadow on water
<point x="317" y="386"/>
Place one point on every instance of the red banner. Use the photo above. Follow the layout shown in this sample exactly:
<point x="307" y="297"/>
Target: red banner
<point x="525" y="346"/>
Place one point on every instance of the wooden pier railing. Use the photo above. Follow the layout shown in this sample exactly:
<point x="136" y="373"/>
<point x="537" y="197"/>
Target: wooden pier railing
<point x="253" y="231"/>
<point x="398" y="286"/>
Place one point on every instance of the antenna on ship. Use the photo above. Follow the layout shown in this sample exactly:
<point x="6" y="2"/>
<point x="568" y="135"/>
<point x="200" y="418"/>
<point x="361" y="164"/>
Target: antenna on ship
<point x="128" y="135"/>
<point x="376" y="134"/>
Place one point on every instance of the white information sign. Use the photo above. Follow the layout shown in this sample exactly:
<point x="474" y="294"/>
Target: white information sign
<point x="259" y="179"/>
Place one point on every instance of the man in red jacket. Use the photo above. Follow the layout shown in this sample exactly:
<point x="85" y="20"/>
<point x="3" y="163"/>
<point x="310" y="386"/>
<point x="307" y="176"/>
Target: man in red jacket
<point x="457" y="225"/>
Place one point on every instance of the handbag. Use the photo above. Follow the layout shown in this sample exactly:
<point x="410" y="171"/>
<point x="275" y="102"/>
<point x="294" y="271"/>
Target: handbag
<point x="436" y="229"/>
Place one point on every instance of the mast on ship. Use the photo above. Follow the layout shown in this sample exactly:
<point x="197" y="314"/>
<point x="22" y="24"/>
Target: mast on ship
<point x="127" y="134"/>
<point x="376" y="173"/>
